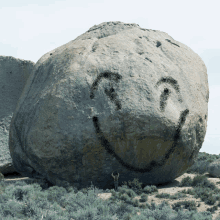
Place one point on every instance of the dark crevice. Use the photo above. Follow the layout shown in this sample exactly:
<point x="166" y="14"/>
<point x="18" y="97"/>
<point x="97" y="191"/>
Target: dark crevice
<point x="172" y="42"/>
<point x="200" y="120"/>
<point x="158" y="44"/>
<point x="12" y="174"/>
<point x="148" y="59"/>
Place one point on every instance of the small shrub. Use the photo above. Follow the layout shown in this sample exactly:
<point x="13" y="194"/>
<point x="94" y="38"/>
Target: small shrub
<point x="135" y="185"/>
<point x="112" y="191"/>
<point x="144" y="198"/>
<point x="40" y="199"/>
<point x="200" y="192"/>
<point x="205" y="194"/>
<point x="123" y="208"/>
<point x="216" y="195"/>
<point x="125" y="198"/>
<point x="113" y="199"/>
<point x="80" y="195"/>
<point x="153" y="206"/>
<point x="163" y="195"/>
<point x="150" y="189"/>
<point x="210" y="200"/>
<point x="187" y="181"/>
<point x="84" y="191"/>
<point x="71" y="189"/>
<point x="3" y="198"/>
<point x="212" y="209"/>
<point x="55" y="193"/>
<point x="124" y="186"/>
<point x="189" y="191"/>
<point x="203" y="182"/>
<point x="134" y="203"/>
<point x="130" y="193"/>
<point x="190" y="205"/>
<point x="178" y="195"/>
<point x="145" y="206"/>
<point x="19" y="183"/>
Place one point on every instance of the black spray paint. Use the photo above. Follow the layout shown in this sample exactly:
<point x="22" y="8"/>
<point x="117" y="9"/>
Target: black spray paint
<point x="113" y="97"/>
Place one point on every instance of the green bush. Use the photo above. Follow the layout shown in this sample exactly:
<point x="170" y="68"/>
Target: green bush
<point x="210" y="200"/>
<point x="125" y="198"/>
<point x="178" y="195"/>
<point x="213" y="209"/>
<point x="187" y="181"/>
<point x="203" y="182"/>
<point x="135" y="185"/>
<point x="144" y="198"/>
<point x="163" y="195"/>
<point x="130" y="193"/>
<point x="190" y="205"/>
<point x="150" y="189"/>
<point x="123" y="208"/>
<point x="55" y="193"/>
<point x="205" y="194"/>
<point x="134" y="203"/>
<point x="23" y="201"/>
<point x="145" y="206"/>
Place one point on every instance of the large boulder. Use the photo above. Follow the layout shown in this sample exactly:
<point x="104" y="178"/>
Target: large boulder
<point x="118" y="97"/>
<point x="14" y="73"/>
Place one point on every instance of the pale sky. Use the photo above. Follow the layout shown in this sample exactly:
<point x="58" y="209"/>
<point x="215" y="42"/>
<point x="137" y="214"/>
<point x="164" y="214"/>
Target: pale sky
<point x="31" y="28"/>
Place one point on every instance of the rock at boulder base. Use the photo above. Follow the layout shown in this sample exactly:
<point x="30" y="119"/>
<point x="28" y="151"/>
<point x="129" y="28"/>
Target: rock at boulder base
<point x="214" y="168"/>
<point x="118" y="97"/>
<point x="13" y="76"/>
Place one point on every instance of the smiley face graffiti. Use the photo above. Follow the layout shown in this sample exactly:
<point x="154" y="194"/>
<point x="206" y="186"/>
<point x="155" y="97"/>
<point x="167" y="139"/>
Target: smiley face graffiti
<point x="163" y="101"/>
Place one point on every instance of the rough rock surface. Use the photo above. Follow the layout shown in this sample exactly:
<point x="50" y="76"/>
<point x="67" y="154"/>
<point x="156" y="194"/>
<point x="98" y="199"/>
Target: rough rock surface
<point x="118" y="97"/>
<point x="214" y="168"/>
<point x="13" y="76"/>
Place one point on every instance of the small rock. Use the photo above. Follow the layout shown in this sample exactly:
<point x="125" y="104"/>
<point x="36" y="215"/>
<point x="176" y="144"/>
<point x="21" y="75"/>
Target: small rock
<point x="214" y="168"/>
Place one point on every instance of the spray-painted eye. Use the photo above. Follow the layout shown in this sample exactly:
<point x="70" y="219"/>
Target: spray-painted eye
<point x="166" y="90"/>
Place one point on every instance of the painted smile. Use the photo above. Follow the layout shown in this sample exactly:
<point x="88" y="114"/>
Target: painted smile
<point x="163" y="101"/>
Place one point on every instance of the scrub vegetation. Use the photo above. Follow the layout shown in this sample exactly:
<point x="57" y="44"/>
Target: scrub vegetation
<point x="35" y="201"/>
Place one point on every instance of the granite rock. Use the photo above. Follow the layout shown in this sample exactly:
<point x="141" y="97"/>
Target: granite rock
<point x="118" y="97"/>
<point x="214" y="168"/>
<point x="14" y="73"/>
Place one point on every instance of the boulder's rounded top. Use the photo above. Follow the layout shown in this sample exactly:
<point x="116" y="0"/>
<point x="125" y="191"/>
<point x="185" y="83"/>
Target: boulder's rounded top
<point x="106" y="29"/>
<point x="119" y="24"/>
